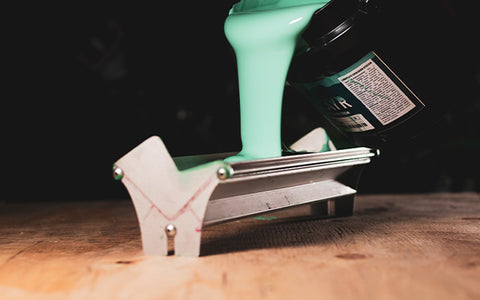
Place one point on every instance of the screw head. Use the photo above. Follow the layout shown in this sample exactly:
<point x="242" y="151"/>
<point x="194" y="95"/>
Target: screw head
<point x="117" y="173"/>
<point x="170" y="230"/>
<point x="223" y="173"/>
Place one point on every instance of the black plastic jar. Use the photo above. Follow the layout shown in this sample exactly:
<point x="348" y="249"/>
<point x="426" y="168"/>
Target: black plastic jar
<point x="382" y="70"/>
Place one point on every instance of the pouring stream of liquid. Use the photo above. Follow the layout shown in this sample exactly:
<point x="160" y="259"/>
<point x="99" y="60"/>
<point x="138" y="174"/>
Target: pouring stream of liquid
<point x="264" y="35"/>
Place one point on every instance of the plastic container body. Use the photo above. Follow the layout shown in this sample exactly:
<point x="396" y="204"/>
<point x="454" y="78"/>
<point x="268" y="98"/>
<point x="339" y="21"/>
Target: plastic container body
<point x="382" y="70"/>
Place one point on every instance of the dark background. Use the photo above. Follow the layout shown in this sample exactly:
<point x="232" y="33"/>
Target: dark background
<point x="86" y="84"/>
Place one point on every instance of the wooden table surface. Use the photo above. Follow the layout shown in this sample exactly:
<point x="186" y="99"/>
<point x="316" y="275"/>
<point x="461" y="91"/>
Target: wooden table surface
<point x="395" y="247"/>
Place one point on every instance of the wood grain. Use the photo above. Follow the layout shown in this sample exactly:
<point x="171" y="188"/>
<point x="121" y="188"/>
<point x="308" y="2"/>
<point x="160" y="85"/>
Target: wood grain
<point x="395" y="247"/>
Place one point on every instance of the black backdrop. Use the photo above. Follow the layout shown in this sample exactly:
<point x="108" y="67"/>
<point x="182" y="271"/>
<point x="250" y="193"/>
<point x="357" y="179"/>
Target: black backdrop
<point x="88" y="83"/>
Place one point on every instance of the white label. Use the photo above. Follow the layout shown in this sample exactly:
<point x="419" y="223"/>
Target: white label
<point x="353" y="123"/>
<point x="382" y="97"/>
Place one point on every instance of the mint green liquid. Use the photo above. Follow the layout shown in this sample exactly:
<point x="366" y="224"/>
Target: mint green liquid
<point x="264" y="35"/>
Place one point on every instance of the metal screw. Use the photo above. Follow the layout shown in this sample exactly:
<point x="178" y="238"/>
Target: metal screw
<point x="223" y="173"/>
<point x="170" y="230"/>
<point x="117" y="173"/>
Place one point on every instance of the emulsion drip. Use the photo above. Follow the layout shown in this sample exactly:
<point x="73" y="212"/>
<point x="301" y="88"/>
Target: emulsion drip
<point x="264" y="35"/>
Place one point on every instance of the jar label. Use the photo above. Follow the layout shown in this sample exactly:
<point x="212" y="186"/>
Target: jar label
<point x="365" y="96"/>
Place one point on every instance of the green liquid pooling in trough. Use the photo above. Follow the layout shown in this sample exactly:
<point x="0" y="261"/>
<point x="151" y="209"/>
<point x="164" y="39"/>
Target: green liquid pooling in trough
<point x="264" y="35"/>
